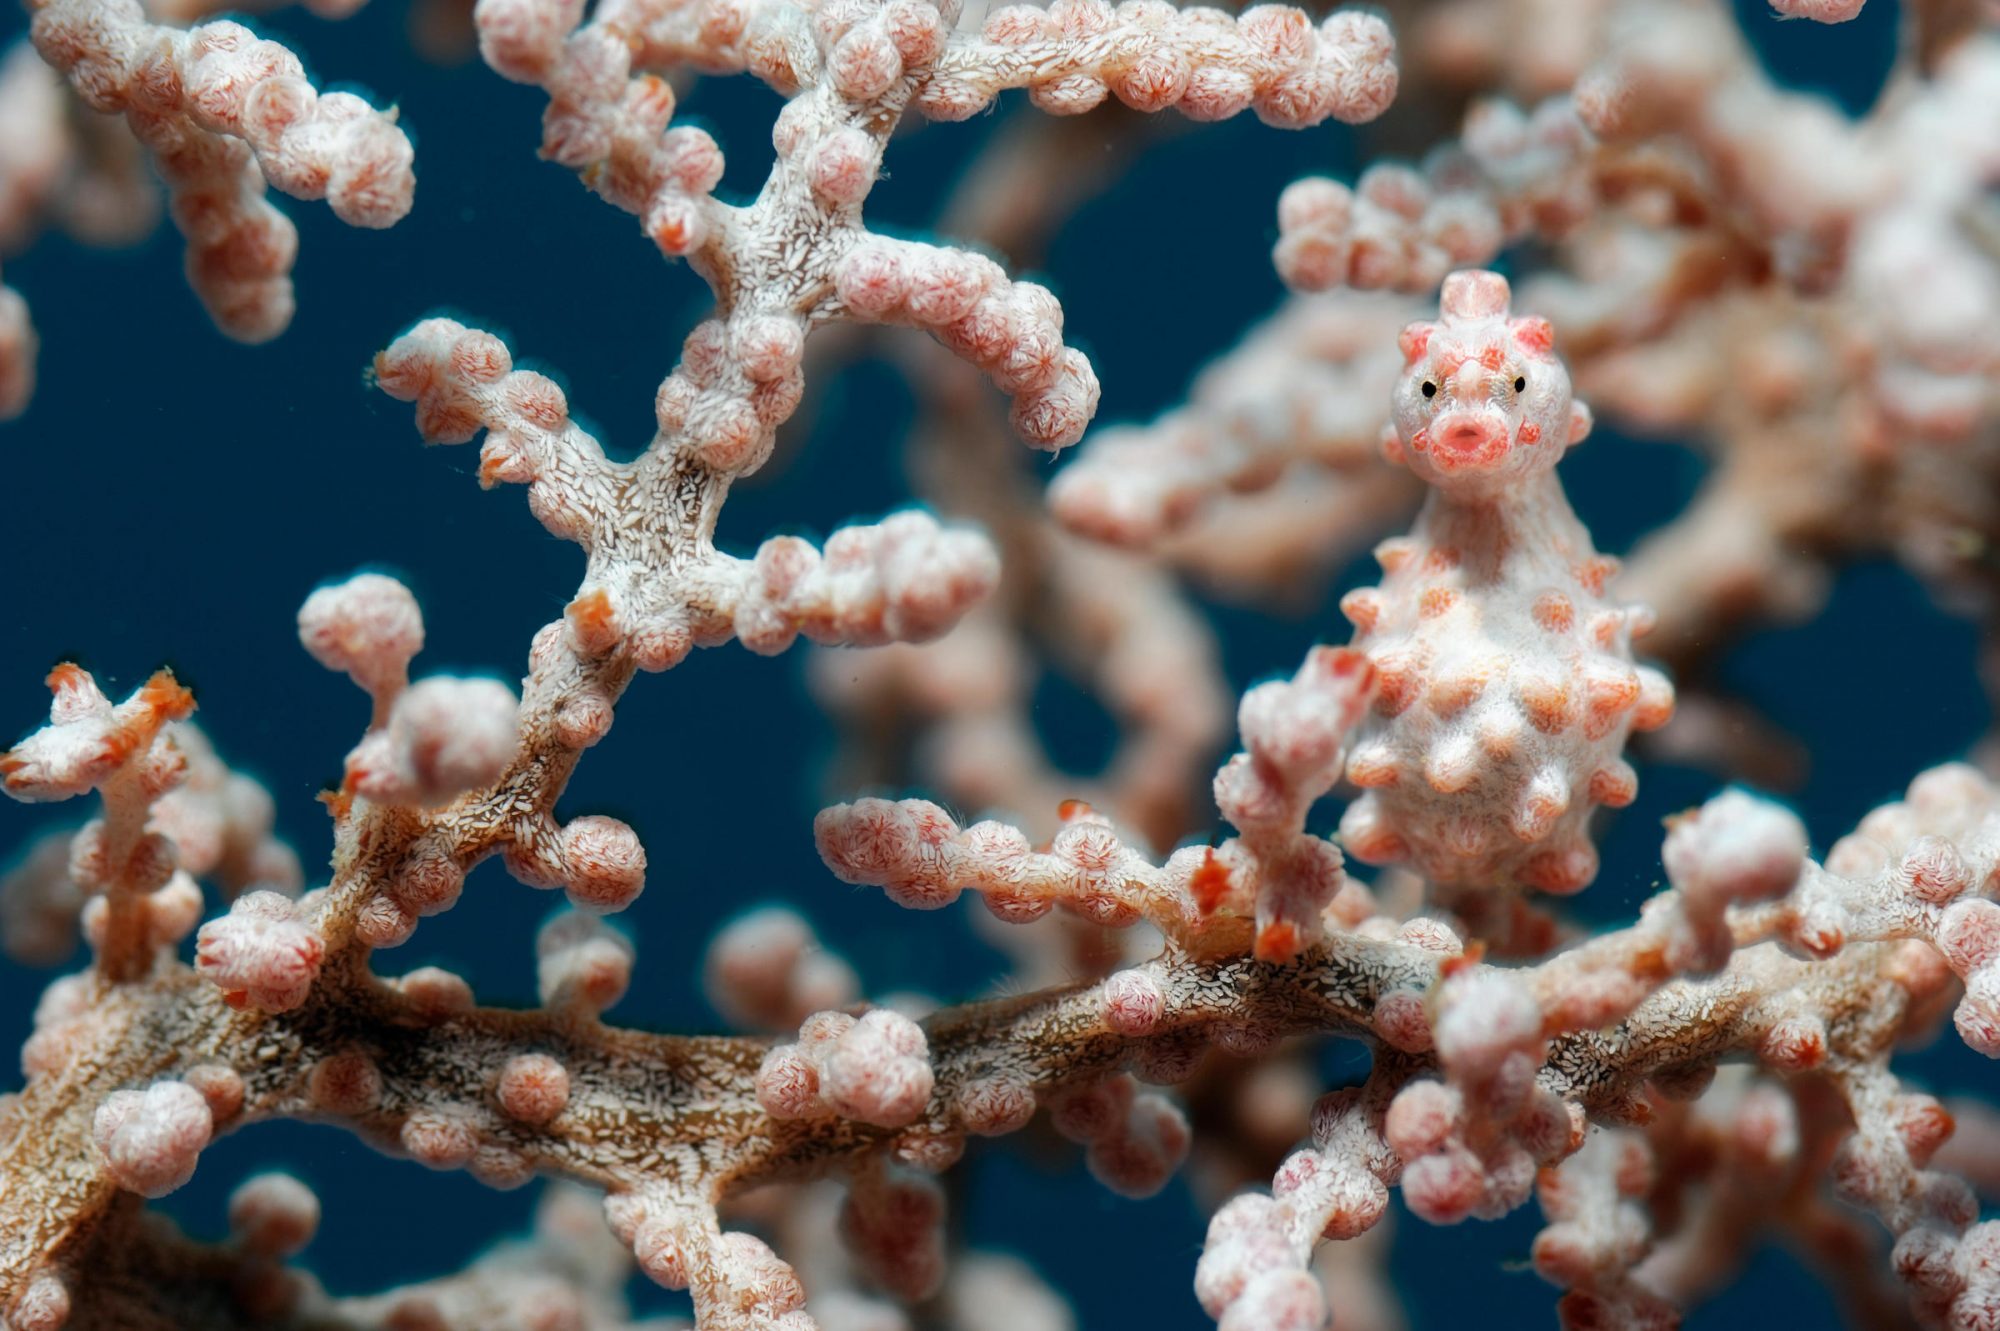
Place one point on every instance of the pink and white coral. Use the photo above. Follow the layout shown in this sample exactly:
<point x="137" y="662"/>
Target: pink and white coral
<point x="262" y="952"/>
<point x="151" y="1138"/>
<point x="875" y="1069"/>
<point x="224" y="113"/>
<point x="1174" y="975"/>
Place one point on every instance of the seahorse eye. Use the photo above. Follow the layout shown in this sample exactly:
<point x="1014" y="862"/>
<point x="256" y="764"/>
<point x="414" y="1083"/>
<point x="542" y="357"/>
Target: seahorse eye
<point x="1430" y="389"/>
<point x="1520" y="383"/>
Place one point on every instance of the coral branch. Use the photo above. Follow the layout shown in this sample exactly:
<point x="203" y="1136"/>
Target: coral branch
<point x="1152" y="56"/>
<point x="121" y="752"/>
<point x="223" y="114"/>
<point x="905" y="579"/>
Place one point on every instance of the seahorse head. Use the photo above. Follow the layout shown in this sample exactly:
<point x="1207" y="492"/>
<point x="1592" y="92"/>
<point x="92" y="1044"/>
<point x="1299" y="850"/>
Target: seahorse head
<point x="1483" y="400"/>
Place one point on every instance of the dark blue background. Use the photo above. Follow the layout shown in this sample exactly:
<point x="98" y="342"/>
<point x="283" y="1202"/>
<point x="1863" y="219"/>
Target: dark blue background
<point x="172" y="496"/>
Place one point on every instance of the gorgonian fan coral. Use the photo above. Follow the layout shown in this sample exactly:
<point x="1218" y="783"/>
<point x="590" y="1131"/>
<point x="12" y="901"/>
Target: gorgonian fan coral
<point x="1696" y="248"/>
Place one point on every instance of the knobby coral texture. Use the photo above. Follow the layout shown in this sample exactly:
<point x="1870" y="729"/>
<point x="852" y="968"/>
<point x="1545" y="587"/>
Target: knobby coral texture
<point x="1389" y="854"/>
